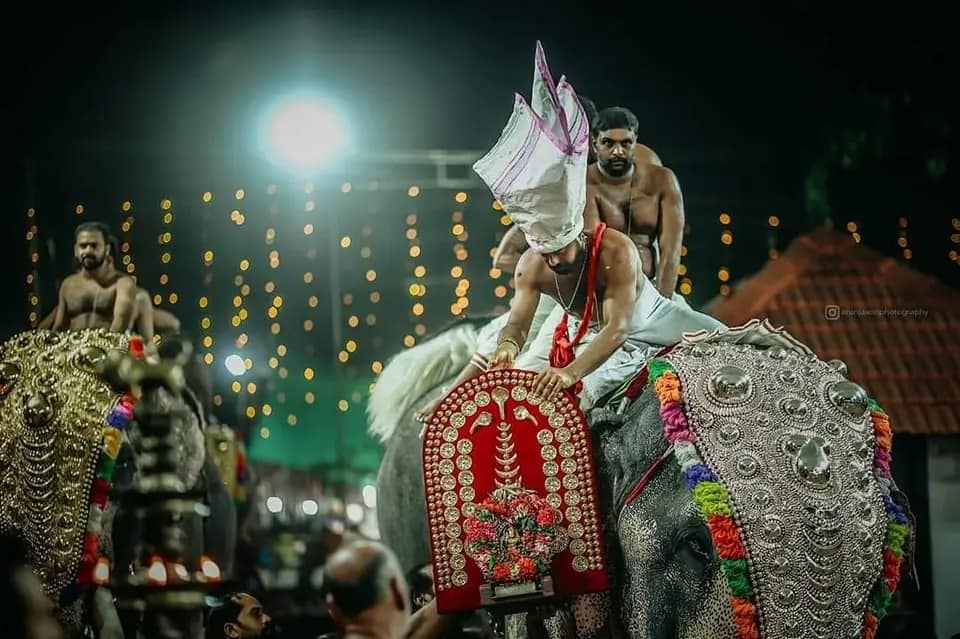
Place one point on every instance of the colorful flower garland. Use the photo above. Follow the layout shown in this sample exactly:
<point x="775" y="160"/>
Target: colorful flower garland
<point x="117" y="421"/>
<point x="530" y="553"/>
<point x="712" y="498"/>
<point x="710" y="495"/>
<point x="898" y="527"/>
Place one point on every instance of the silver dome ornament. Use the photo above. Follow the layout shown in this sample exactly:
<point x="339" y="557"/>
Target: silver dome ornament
<point x="811" y="458"/>
<point x="730" y="385"/>
<point x="849" y="397"/>
<point x="702" y="349"/>
<point x="796" y="408"/>
<point x="838" y="365"/>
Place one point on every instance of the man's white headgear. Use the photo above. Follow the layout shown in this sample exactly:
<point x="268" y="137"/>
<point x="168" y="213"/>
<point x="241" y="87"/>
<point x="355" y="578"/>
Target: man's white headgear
<point x="538" y="167"/>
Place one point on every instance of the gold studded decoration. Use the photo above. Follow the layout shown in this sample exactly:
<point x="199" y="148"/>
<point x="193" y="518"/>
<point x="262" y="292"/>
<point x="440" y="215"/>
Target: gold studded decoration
<point x="490" y="432"/>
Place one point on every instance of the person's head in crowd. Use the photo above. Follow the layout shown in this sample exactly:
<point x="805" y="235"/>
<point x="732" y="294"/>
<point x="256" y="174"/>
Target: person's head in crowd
<point x="420" y="582"/>
<point x="238" y="616"/>
<point x="365" y="590"/>
<point x="31" y="614"/>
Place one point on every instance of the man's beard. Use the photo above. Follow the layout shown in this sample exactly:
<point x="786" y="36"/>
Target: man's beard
<point x="567" y="269"/>
<point x="617" y="167"/>
<point x="91" y="262"/>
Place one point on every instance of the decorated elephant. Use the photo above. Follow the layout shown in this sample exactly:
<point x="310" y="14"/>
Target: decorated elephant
<point x="744" y="485"/>
<point x="66" y="457"/>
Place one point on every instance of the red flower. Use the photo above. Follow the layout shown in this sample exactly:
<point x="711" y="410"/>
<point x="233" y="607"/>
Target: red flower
<point x="501" y="572"/>
<point x="546" y="516"/>
<point x="527" y="567"/>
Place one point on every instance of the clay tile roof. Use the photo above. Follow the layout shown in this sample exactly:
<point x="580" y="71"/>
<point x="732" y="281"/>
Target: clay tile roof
<point x="897" y="330"/>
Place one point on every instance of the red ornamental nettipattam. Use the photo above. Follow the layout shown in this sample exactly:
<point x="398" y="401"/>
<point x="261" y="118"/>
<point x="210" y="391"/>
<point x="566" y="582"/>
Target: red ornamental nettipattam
<point x="511" y="492"/>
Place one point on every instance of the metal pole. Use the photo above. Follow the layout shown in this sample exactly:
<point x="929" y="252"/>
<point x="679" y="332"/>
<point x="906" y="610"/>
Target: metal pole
<point x="336" y="334"/>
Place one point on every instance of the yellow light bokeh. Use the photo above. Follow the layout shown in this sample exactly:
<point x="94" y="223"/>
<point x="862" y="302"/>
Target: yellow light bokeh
<point x="346" y="187"/>
<point x="411" y="234"/>
<point x="277" y="301"/>
<point x="351" y="346"/>
<point x="308" y="325"/>
<point x="685" y="288"/>
<point x="165" y="204"/>
<point x="272" y="312"/>
<point x="773" y="221"/>
<point x="456" y="229"/>
<point x="165" y="258"/>
<point x="308" y="229"/>
<point x="207" y="196"/>
<point x="269" y="287"/>
<point x="173" y="298"/>
<point x="292" y="420"/>
<point x="205" y="322"/>
<point x="371" y="319"/>
<point x="456" y="271"/>
<point x="208" y="358"/>
<point x="371" y="275"/>
<point x="414" y="251"/>
<point x="724" y="218"/>
<point x="343" y="356"/>
<point x="343" y="405"/>
<point x="282" y="350"/>
<point x="251" y="388"/>
<point x="500" y="291"/>
<point x="244" y="264"/>
<point x="376" y="367"/>
<point x="308" y="373"/>
<point x="375" y="296"/>
<point x="726" y="237"/>
<point x="235" y="387"/>
<point x="208" y="257"/>
<point x="239" y="194"/>
<point x="251" y="412"/>
<point x="408" y="340"/>
<point x="345" y="241"/>
<point x="420" y="271"/>
<point x="460" y="197"/>
<point x="417" y="309"/>
<point x="307" y="277"/>
<point x="157" y="300"/>
<point x="309" y="397"/>
<point x="312" y="301"/>
<point x="273" y="362"/>
<point x="852" y="227"/>
<point x="353" y="321"/>
<point x="413" y="191"/>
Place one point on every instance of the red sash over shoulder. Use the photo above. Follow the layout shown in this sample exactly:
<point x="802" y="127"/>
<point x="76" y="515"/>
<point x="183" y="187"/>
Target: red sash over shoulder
<point x="562" y="353"/>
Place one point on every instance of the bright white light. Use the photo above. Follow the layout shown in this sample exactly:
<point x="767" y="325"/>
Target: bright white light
<point x="235" y="365"/>
<point x="274" y="504"/>
<point x="370" y="496"/>
<point x="309" y="507"/>
<point x="304" y="132"/>
<point x="355" y="513"/>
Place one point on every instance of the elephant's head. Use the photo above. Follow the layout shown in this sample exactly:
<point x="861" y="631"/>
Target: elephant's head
<point x="667" y="572"/>
<point x="748" y="490"/>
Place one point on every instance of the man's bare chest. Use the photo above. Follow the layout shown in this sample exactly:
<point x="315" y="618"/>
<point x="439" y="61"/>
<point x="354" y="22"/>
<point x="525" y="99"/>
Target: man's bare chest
<point x="637" y="209"/>
<point x="89" y="297"/>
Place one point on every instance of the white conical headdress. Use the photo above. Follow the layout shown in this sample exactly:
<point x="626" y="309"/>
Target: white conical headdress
<point x="538" y="167"/>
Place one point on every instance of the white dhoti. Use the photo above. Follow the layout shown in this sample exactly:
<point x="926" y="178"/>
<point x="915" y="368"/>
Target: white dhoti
<point x="657" y="322"/>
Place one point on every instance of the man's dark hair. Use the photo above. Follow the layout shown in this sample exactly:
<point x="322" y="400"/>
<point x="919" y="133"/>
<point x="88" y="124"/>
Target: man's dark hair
<point x="419" y="583"/>
<point x="354" y="596"/>
<point x="590" y="108"/>
<point x="227" y="611"/>
<point x="13" y="557"/>
<point x="98" y="227"/>
<point x="616" y="118"/>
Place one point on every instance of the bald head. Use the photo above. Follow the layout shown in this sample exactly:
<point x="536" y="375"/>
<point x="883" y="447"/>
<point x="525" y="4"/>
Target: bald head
<point x="363" y="575"/>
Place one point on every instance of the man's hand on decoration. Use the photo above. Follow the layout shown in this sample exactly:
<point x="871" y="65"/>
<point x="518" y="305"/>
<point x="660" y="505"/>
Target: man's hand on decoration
<point x="551" y="381"/>
<point x="503" y="357"/>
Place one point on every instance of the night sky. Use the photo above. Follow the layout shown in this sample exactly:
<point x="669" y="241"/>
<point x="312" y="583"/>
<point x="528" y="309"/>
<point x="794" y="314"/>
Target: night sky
<point x="739" y="99"/>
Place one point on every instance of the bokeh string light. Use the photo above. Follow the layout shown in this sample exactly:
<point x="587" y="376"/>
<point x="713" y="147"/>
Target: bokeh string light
<point x="207" y="258"/>
<point x="953" y="254"/>
<point x="902" y="240"/>
<point x="126" y="237"/>
<point x="33" y="276"/>
<point x="773" y="237"/>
